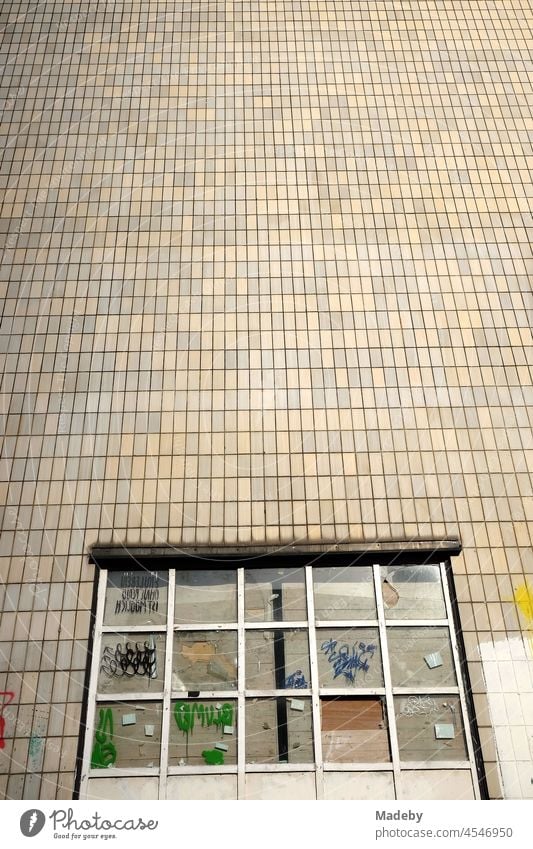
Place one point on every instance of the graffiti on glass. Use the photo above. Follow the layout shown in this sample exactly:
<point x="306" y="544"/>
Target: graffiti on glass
<point x="128" y="661"/>
<point x="185" y="714"/>
<point x="104" y="753"/>
<point x="296" y="681"/>
<point x="348" y="660"/>
<point x="140" y="593"/>
<point x="213" y="757"/>
<point x="419" y="706"/>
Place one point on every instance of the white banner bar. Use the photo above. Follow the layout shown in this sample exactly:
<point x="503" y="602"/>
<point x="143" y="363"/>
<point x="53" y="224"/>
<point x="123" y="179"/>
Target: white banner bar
<point x="264" y="824"/>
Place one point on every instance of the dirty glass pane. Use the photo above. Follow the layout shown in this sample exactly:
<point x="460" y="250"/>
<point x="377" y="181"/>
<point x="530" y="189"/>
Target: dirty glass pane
<point x="277" y="660"/>
<point x="412" y="592"/>
<point x="132" y="663"/>
<point x="344" y="592"/>
<point x="136" y="598"/>
<point x="204" y="660"/>
<point x="275" y="595"/>
<point x="203" y="733"/>
<point x="430" y="728"/>
<point x="279" y="730"/>
<point x="206" y="595"/>
<point x="126" y="735"/>
<point x="349" y="657"/>
<point x="421" y="657"/>
<point x="354" y="730"/>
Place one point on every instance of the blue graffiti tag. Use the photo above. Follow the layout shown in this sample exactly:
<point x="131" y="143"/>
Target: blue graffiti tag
<point x="346" y="661"/>
<point x="296" y="681"/>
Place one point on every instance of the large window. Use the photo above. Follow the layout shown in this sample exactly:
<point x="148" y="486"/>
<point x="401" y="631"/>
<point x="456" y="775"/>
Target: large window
<point x="285" y="668"/>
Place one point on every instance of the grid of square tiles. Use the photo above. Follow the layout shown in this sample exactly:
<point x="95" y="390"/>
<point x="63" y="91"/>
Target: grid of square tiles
<point x="265" y="269"/>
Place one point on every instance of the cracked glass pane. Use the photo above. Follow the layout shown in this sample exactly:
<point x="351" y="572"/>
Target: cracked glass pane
<point x="412" y="592"/>
<point x="204" y="660"/>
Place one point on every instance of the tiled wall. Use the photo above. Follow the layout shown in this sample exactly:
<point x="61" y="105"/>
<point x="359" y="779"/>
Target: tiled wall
<point x="265" y="268"/>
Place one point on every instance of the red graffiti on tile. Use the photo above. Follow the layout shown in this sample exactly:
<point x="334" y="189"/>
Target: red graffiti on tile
<point x="9" y="696"/>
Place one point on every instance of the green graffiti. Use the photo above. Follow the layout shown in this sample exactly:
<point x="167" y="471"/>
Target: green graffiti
<point x="185" y="712"/>
<point x="104" y="752"/>
<point x="213" y="757"/>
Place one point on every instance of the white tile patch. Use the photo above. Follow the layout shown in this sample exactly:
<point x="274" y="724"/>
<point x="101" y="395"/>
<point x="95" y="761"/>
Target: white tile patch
<point x="508" y="672"/>
<point x="502" y="652"/>
<point x="526" y="701"/>
<point x="508" y="678"/>
<point x="525" y="777"/>
<point x="529" y="732"/>
<point x="520" y="743"/>
<point x="515" y="714"/>
<point x="505" y="744"/>
<point x="511" y="782"/>
<point x="492" y="676"/>
<point x="524" y="676"/>
<point x="497" y="708"/>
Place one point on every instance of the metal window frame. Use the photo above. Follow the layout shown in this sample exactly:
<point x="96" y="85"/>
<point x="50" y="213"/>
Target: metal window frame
<point x="314" y="693"/>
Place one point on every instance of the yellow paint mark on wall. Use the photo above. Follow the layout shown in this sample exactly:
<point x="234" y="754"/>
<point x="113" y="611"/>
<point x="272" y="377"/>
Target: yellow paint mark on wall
<point x="523" y="597"/>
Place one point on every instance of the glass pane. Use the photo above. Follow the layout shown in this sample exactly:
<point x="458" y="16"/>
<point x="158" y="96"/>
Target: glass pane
<point x="421" y="657"/>
<point x="206" y="595"/>
<point x="349" y="657"/>
<point x="344" y="593"/>
<point x="203" y="733"/>
<point x="277" y="660"/>
<point x="279" y="730"/>
<point x="430" y="728"/>
<point x="412" y="592"/>
<point x="126" y="735"/>
<point x="354" y="730"/>
<point x="136" y="598"/>
<point x="132" y="663"/>
<point x="204" y="660"/>
<point x="275" y="595"/>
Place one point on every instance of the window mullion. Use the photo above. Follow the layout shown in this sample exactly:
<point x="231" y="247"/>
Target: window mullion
<point x="417" y="623"/>
<point x="144" y="696"/>
<point x="167" y="685"/>
<point x="133" y="629"/>
<point x="93" y="683"/>
<point x="315" y="697"/>
<point x="206" y="626"/>
<point x="183" y="695"/>
<point x="241" y="683"/>
<point x="459" y="676"/>
<point x="389" y="700"/>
